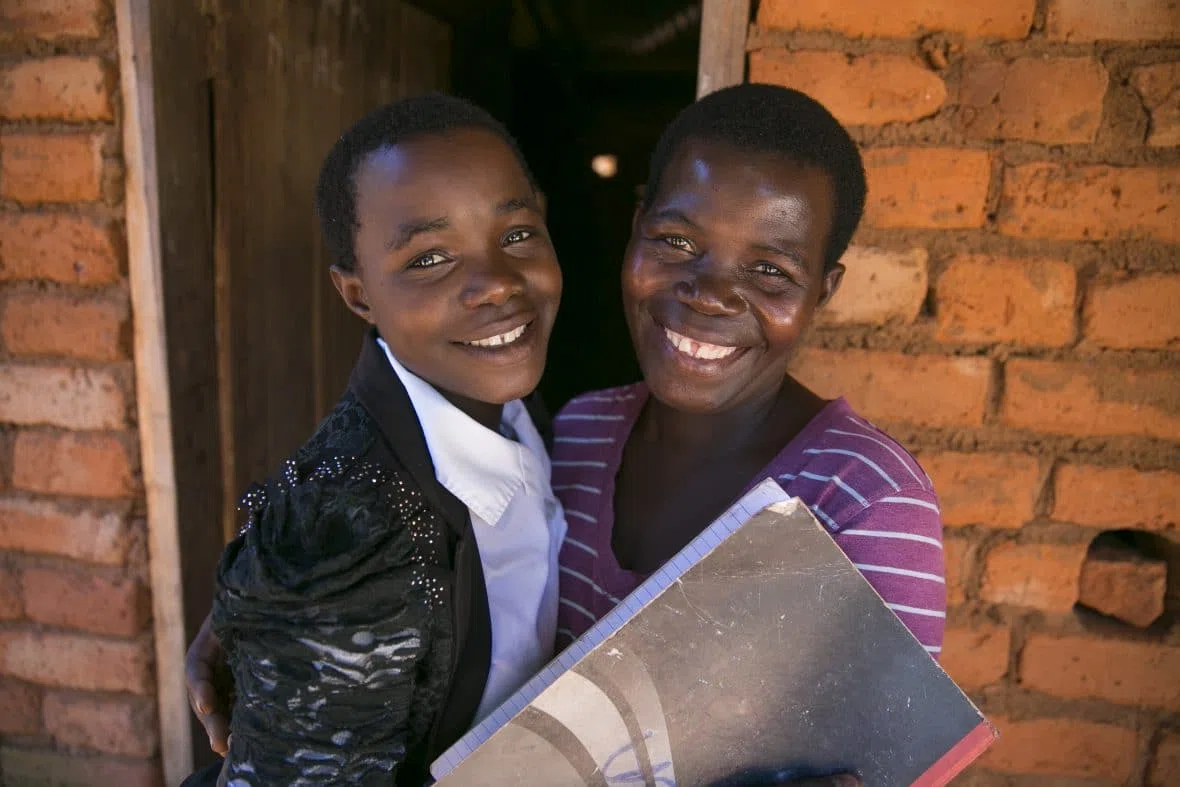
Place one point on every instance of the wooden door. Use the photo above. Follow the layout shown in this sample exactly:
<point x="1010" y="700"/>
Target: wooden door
<point x="291" y="75"/>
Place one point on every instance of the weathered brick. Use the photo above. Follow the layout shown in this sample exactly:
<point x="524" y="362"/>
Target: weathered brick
<point x="83" y="465"/>
<point x="999" y="490"/>
<point x="1159" y="90"/>
<point x="937" y="188"/>
<point x="56" y="247"/>
<point x="894" y="387"/>
<point x="10" y="596"/>
<point x="1010" y="19"/>
<point x="1073" y="202"/>
<point x="1128" y="673"/>
<point x="73" y="599"/>
<point x="1043" y="576"/>
<point x="1117" y="497"/>
<point x="50" y="167"/>
<point x="76" y="661"/>
<point x="114" y="725"/>
<point x="21" y="704"/>
<point x="61" y="396"/>
<point x="1055" y="100"/>
<point x="40" y="527"/>
<point x="56" y="88"/>
<point x="1138" y="312"/>
<point x="999" y="299"/>
<point x="36" y="768"/>
<point x="1113" y="20"/>
<point x="1063" y="747"/>
<point x="870" y="90"/>
<point x="51" y="18"/>
<point x="1165" y="765"/>
<point x="960" y="561"/>
<point x="976" y="656"/>
<point x="1124" y="584"/>
<point x="89" y="328"/>
<point x="879" y="286"/>
<point x="1091" y="399"/>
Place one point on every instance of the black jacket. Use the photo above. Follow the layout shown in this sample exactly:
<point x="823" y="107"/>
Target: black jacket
<point x="373" y="431"/>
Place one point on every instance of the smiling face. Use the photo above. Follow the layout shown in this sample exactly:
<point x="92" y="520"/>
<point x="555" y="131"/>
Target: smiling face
<point x="724" y="272"/>
<point x="454" y="264"/>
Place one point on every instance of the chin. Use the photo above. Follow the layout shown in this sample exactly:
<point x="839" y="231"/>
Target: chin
<point x="686" y="397"/>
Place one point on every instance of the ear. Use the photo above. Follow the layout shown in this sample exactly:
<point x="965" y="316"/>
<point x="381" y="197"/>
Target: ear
<point x="352" y="290"/>
<point x="832" y="278"/>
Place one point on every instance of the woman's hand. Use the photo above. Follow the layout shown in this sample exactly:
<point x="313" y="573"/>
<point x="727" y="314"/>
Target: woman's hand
<point x="209" y="686"/>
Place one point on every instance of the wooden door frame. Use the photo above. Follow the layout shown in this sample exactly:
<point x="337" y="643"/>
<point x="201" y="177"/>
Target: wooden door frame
<point x="725" y="26"/>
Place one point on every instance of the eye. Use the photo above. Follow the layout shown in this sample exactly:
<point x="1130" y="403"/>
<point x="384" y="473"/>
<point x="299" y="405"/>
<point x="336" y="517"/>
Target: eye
<point x="678" y="242"/>
<point x="427" y="260"/>
<point x="769" y="270"/>
<point x="517" y="236"/>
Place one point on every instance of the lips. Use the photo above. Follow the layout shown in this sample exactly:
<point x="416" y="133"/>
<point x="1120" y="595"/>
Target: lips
<point x="500" y="339"/>
<point x="695" y="348"/>
<point x="500" y="333"/>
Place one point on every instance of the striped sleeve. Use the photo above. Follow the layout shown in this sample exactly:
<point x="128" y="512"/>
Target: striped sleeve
<point x="896" y="543"/>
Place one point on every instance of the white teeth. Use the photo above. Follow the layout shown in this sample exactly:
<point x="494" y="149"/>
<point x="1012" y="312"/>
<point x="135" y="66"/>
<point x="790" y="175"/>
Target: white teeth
<point x="701" y="350"/>
<point x="502" y="339"/>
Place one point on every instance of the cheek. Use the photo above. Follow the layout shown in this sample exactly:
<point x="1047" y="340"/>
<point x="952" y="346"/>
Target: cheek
<point x="784" y="323"/>
<point x="640" y="278"/>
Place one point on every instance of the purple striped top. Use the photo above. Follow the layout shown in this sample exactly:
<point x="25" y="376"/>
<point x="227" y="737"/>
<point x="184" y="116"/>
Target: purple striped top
<point x="870" y="493"/>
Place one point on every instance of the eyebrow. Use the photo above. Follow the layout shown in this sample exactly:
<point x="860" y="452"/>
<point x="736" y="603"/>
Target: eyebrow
<point x="409" y="230"/>
<point x="784" y="249"/>
<point x="672" y="214"/>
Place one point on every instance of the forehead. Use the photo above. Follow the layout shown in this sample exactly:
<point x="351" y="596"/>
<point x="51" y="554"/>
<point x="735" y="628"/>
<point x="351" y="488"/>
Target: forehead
<point x="715" y="176"/>
<point x="431" y="172"/>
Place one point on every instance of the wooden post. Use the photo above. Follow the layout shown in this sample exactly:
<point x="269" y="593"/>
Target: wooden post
<point x="151" y="378"/>
<point x="724" y="25"/>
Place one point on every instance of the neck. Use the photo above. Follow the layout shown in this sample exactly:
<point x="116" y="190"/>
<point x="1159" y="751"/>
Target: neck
<point x="745" y="424"/>
<point x="484" y="413"/>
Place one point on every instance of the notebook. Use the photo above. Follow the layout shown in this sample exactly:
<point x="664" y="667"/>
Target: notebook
<point x="757" y="652"/>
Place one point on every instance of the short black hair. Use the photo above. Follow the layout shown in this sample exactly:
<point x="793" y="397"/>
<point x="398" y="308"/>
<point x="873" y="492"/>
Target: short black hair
<point x="772" y="119"/>
<point x="392" y="124"/>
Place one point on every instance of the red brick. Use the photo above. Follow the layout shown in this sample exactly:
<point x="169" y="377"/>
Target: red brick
<point x="117" y="726"/>
<point x="51" y="18"/>
<point x="72" y="599"/>
<point x="76" y="661"/>
<point x="1124" y="585"/>
<point x="1043" y="576"/>
<point x="1091" y="399"/>
<point x="999" y="299"/>
<point x="61" y="396"/>
<point x="901" y="18"/>
<point x="1165" y="765"/>
<point x="10" y="597"/>
<point x="1072" y="202"/>
<point x="56" y="88"/>
<point x="61" y="248"/>
<point x="1128" y="673"/>
<point x="894" y="387"/>
<point x="50" y="167"/>
<point x="1159" y="90"/>
<point x="1113" y="20"/>
<point x="21" y="705"/>
<point x="960" y="560"/>
<point x="870" y="90"/>
<point x="34" y="768"/>
<point x="1063" y="747"/>
<point x="71" y="326"/>
<point x="1117" y="497"/>
<point x="879" y="286"/>
<point x="999" y="490"/>
<point x="43" y="528"/>
<point x="1138" y="312"/>
<point x="937" y="188"/>
<point x="976" y="656"/>
<point x="83" y="465"/>
<point x="1055" y="100"/>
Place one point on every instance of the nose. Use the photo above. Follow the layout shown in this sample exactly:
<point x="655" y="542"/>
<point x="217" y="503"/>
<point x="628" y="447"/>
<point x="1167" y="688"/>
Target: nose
<point x="704" y="291"/>
<point x="493" y="280"/>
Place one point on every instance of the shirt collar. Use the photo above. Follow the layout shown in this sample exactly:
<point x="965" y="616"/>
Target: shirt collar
<point x="481" y="467"/>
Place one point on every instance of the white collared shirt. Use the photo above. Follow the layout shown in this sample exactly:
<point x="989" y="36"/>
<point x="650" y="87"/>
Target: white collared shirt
<point x="518" y="523"/>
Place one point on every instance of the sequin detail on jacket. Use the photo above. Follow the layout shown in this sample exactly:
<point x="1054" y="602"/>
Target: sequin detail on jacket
<point x="333" y="607"/>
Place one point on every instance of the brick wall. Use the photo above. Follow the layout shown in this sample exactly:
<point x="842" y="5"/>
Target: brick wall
<point x="77" y="693"/>
<point x="1011" y="311"/>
